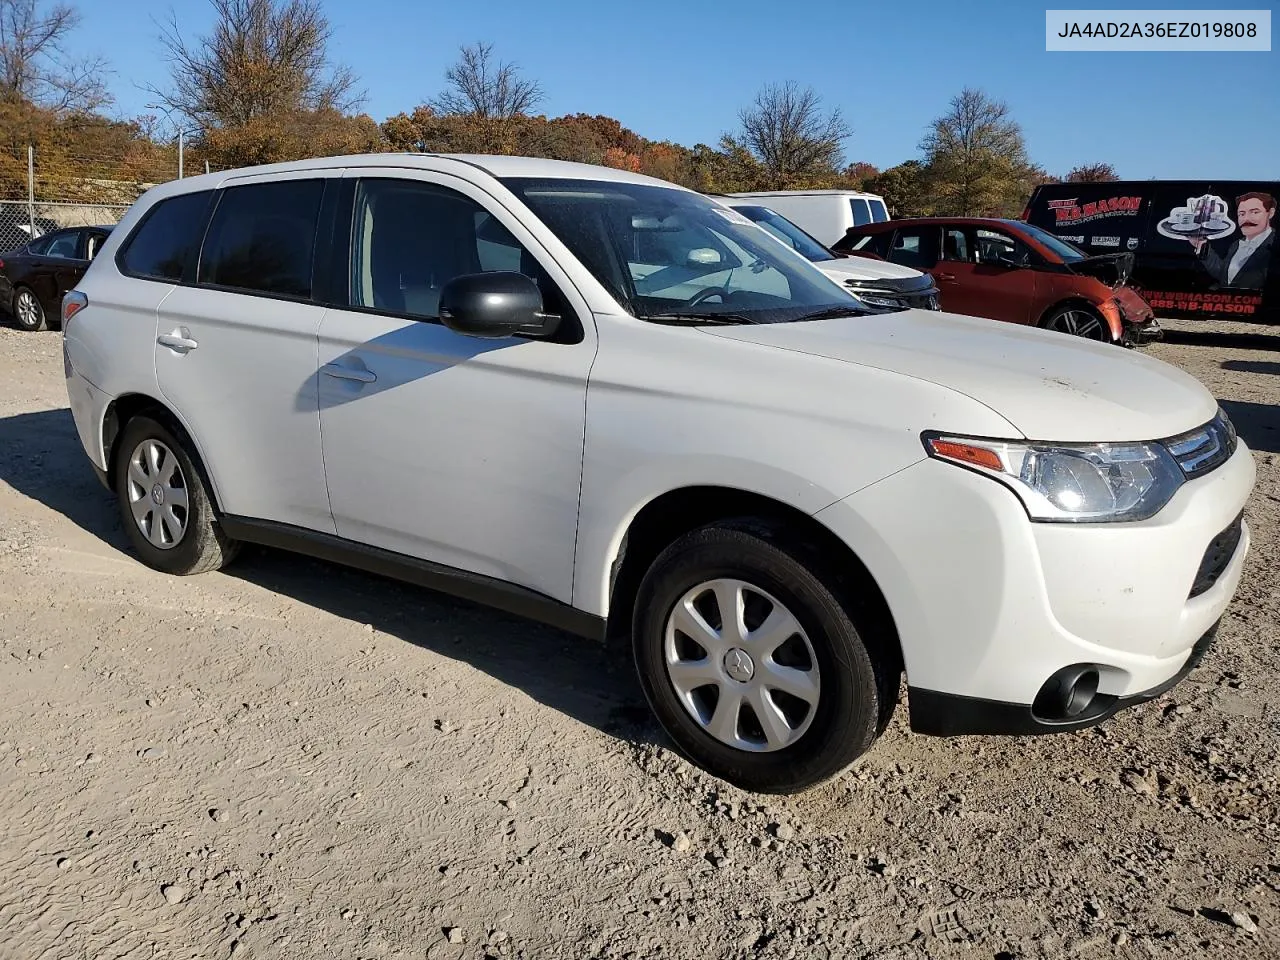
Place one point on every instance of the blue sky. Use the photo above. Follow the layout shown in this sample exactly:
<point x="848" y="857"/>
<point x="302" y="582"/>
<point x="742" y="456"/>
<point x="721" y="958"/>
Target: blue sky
<point x="680" y="70"/>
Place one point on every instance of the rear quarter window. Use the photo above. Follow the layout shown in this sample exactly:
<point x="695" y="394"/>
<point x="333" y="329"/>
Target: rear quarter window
<point x="167" y="240"/>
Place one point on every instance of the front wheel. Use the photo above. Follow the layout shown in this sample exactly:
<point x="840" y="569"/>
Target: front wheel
<point x="753" y="665"/>
<point x="1078" y="321"/>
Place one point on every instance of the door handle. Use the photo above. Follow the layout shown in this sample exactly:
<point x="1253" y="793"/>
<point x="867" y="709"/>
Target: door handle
<point x="177" y="340"/>
<point x="349" y="373"/>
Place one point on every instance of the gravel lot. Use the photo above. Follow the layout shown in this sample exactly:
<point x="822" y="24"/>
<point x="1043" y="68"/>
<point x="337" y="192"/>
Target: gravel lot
<point x="290" y="759"/>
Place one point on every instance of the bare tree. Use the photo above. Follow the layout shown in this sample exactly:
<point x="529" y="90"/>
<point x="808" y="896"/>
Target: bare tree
<point x="789" y="133"/>
<point x="1092" y="173"/>
<point x="975" y="157"/>
<point x="34" y="67"/>
<point x="263" y="58"/>
<point x="485" y="89"/>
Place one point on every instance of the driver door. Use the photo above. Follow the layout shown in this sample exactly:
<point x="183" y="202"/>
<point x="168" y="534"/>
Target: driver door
<point x="454" y="449"/>
<point x="987" y="273"/>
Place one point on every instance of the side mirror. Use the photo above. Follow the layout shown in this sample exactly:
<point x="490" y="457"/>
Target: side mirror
<point x="703" y="257"/>
<point x="495" y="305"/>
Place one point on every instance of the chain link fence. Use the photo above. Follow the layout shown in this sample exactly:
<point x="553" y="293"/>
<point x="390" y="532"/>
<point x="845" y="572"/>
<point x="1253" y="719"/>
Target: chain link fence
<point x="44" y="190"/>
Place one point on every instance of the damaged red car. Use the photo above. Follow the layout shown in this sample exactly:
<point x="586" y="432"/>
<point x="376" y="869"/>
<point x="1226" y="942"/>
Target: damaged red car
<point x="1011" y="271"/>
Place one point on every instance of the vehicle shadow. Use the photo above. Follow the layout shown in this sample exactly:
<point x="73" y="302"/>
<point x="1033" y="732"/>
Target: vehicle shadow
<point x="1257" y="423"/>
<point x="1252" y="366"/>
<point x="41" y="458"/>
<point x="1207" y="338"/>
<point x="580" y="678"/>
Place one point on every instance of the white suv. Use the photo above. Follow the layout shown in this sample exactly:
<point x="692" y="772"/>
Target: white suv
<point x="612" y="404"/>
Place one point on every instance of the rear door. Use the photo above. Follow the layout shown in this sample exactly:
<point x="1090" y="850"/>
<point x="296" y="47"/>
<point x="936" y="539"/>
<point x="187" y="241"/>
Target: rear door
<point x="236" y="350"/>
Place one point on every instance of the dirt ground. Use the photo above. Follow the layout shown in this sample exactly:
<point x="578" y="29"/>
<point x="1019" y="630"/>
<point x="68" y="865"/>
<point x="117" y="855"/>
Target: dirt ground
<point x="291" y="759"/>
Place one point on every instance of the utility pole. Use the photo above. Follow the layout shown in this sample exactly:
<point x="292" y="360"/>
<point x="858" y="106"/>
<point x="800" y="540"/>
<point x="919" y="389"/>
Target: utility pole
<point x="31" y="189"/>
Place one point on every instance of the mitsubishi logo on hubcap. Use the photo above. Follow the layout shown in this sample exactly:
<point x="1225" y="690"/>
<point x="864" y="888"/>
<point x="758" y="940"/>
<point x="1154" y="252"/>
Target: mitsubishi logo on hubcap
<point x="738" y="664"/>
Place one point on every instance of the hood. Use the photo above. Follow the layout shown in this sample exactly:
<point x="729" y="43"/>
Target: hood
<point x="1113" y="269"/>
<point x="1049" y="385"/>
<point x="862" y="268"/>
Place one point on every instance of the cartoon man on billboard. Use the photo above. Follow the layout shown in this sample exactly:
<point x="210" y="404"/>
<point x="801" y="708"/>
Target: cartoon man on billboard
<point x="1249" y="257"/>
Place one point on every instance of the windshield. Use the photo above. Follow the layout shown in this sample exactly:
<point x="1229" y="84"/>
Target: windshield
<point x="1067" y="251"/>
<point x="787" y="232"/>
<point x="670" y="253"/>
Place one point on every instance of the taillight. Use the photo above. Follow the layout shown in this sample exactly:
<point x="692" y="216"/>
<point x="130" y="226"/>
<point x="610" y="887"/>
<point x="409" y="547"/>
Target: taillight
<point x="73" y="303"/>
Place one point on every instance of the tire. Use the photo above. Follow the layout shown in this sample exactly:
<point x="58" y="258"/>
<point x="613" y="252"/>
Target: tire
<point x="28" y="314"/>
<point x="857" y="673"/>
<point x="1078" y="321"/>
<point x="182" y="540"/>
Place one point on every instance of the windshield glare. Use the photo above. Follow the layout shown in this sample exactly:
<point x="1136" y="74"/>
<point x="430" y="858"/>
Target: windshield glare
<point x="1067" y="251"/>
<point x="787" y="232"/>
<point x="666" y="252"/>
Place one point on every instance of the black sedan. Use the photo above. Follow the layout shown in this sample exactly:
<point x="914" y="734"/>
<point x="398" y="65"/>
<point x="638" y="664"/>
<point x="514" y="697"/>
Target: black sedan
<point x="34" y="277"/>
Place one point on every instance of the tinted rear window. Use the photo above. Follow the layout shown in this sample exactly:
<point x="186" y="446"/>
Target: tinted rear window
<point x="861" y="214"/>
<point x="262" y="238"/>
<point x="168" y="238"/>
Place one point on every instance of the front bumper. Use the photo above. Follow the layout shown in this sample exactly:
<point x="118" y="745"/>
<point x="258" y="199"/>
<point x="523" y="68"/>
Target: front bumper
<point x="952" y="715"/>
<point x="989" y="607"/>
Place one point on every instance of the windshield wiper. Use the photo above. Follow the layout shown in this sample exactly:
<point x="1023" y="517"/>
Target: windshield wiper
<point x="830" y="313"/>
<point x="694" y="319"/>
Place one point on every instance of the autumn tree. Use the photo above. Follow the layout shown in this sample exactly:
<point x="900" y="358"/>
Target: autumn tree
<point x="261" y="85"/>
<point x="490" y="94"/>
<point x="1092" y="173"/>
<point x="790" y="134"/>
<point x="34" y="66"/>
<point x="904" y="188"/>
<point x="480" y="86"/>
<point x="975" y="158"/>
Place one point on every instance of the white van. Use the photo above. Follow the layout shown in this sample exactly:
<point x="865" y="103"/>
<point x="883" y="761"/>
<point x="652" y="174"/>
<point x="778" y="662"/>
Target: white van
<point x="826" y="214"/>
<point x="610" y="403"/>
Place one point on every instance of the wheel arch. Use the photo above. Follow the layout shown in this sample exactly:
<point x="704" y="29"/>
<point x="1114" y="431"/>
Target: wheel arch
<point x="129" y="405"/>
<point x="673" y="513"/>
<point x="1080" y="301"/>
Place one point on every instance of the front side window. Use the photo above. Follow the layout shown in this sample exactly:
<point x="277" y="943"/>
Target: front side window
<point x="995" y="246"/>
<point x="667" y="253"/>
<point x="168" y="238"/>
<point x="410" y="238"/>
<point x="861" y="212"/>
<point x="878" y="212"/>
<point x="262" y="238"/>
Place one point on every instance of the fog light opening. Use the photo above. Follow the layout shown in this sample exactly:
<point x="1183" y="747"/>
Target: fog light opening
<point x="1068" y="694"/>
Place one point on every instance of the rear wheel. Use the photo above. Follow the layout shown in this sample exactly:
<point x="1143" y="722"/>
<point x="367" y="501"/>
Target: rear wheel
<point x="1078" y="321"/>
<point x="164" y="505"/>
<point x="28" y="314"/>
<point x="752" y="663"/>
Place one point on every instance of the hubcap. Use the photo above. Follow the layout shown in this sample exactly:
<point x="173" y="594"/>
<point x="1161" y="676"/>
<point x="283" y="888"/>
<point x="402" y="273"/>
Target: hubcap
<point x="28" y="309"/>
<point x="741" y="665"/>
<point x="158" y="494"/>
<point x="1078" y="323"/>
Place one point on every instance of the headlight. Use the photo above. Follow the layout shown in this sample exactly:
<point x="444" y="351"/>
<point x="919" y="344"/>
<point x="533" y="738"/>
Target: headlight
<point x="1070" y="482"/>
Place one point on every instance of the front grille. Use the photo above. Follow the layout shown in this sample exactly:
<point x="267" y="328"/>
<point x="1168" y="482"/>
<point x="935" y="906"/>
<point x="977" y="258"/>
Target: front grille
<point x="1204" y="448"/>
<point x="1217" y="555"/>
<point x="918" y="292"/>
